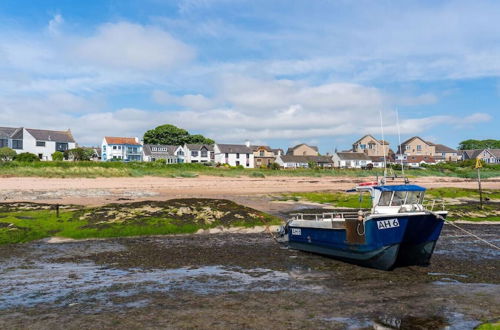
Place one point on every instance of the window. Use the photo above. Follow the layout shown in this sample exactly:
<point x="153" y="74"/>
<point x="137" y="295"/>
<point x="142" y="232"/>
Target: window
<point x="119" y="147"/>
<point x="40" y="156"/>
<point x="227" y="155"/>
<point x="237" y="156"/>
<point x="237" y="163"/>
<point x="103" y="148"/>
<point x="248" y="156"/>
<point x="194" y="161"/>
<point x="419" y="147"/>
<point x="4" y="143"/>
<point x="204" y="153"/>
<point x="180" y="153"/>
<point x="17" y="144"/>
<point x="40" y="144"/>
<point x="115" y="147"/>
<point x="261" y="153"/>
<point x="362" y="146"/>
<point x="399" y="198"/>
<point x="414" y="197"/>
<point x="385" y="198"/>
<point x="407" y="147"/>
<point x="194" y="153"/>
<point x="60" y="146"/>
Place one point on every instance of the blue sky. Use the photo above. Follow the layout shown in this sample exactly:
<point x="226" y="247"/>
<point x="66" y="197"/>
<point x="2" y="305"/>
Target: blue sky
<point x="274" y="72"/>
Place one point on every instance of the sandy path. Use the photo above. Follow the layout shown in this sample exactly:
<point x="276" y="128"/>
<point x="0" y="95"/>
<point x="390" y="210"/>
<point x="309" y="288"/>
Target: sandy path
<point x="105" y="190"/>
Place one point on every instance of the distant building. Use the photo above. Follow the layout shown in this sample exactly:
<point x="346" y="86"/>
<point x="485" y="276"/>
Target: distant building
<point x="198" y="153"/>
<point x="154" y="152"/>
<point x="417" y="146"/>
<point x="263" y="156"/>
<point x="371" y="146"/>
<point x="351" y="160"/>
<point x="292" y="162"/>
<point x="445" y="154"/>
<point x="303" y="150"/>
<point x="234" y="155"/>
<point x="417" y="161"/>
<point x="489" y="156"/>
<point x="125" y="149"/>
<point x="40" y="142"/>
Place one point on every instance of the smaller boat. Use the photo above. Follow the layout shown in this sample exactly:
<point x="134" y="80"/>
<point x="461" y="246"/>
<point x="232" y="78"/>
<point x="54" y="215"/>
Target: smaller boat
<point x="397" y="231"/>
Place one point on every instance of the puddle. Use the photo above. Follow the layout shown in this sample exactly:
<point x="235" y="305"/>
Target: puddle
<point x="71" y="283"/>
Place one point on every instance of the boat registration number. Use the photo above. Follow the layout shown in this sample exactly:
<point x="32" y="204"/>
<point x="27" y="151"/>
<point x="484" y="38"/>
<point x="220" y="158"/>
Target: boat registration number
<point x="296" y="231"/>
<point x="386" y="224"/>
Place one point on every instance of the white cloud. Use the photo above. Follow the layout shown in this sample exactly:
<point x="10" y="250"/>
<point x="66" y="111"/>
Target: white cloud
<point x="55" y="24"/>
<point x="132" y="46"/>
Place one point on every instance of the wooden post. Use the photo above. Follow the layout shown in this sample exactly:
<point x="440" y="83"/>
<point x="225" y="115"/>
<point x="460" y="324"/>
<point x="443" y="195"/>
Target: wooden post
<point x="478" y="167"/>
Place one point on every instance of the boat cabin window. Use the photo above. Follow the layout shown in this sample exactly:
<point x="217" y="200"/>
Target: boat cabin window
<point x="399" y="198"/>
<point x="385" y="198"/>
<point x="414" y="197"/>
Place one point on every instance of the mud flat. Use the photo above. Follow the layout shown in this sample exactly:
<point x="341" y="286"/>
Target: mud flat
<point x="242" y="281"/>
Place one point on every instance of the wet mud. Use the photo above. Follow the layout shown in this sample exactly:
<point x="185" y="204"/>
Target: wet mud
<point x="242" y="281"/>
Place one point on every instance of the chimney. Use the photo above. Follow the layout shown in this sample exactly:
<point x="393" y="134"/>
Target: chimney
<point x="247" y="143"/>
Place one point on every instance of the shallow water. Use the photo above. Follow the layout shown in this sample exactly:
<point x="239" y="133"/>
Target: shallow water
<point x="227" y="280"/>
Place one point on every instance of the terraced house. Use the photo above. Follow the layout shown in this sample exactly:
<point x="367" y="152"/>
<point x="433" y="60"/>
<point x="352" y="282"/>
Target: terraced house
<point x="121" y="149"/>
<point x="40" y="142"/>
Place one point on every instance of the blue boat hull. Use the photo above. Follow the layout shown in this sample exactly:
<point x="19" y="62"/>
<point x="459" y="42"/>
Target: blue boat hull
<point x="388" y="242"/>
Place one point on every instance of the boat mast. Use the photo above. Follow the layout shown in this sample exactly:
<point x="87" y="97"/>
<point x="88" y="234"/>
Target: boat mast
<point x="400" y="149"/>
<point x="383" y="147"/>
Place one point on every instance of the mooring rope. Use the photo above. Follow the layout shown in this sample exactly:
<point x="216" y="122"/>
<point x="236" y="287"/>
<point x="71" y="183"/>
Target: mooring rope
<point x="468" y="232"/>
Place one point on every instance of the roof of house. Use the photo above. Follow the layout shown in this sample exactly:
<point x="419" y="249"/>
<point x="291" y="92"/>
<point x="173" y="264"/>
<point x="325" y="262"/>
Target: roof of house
<point x="306" y="159"/>
<point x="121" y="140"/>
<point x="234" y="148"/>
<point x="255" y="148"/>
<point x="369" y="135"/>
<point x="419" y="159"/>
<point x="353" y="156"/>
<point x="275" y="151"/>
<point x="495" y="152"/>
<point x="166" y="150"/>
<point x="471" y="154"/>
<point x="417" y="137"/>
<point x="46" y="135"/>
<point x="440" y="148"/>
<point x="200" y="146"/>
<point x="291" y="149"/>
<point x="6" y="132"/>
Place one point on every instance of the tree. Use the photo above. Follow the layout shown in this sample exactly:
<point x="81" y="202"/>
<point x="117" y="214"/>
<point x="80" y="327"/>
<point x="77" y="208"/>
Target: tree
<point x="7" y="154"/>
<point x="26" y="157"/>
<point x="57" y="156"/>
<point x="173" y="135"/>
<point x="479" y="144"/>
<point x="78" y="154"/>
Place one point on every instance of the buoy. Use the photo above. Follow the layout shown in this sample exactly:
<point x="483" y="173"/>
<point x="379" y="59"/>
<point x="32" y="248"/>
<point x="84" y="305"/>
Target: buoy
<point x="373" y="183"/>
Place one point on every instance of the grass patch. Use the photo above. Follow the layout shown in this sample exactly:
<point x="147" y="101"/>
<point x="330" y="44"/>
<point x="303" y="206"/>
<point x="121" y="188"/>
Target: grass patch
<point x="24" y="222"/>
<point x="337" y="199"/>
<point x="87" y="169"/>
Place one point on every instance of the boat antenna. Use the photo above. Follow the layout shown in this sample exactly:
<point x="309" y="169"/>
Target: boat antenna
<point x="400" y="149"/>
<point x="383" y="146"/>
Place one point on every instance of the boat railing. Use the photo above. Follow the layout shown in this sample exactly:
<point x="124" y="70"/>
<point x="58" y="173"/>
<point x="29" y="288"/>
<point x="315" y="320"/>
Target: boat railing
<point x="431" y="204"/>
<point x="342" y="215"/>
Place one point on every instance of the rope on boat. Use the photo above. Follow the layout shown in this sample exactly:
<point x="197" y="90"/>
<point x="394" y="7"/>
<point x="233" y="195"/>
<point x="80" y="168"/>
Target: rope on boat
<point x="468" y="232"/>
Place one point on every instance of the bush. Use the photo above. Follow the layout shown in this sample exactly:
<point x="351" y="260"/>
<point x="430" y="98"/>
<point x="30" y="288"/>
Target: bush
<point x="275" y="166"/>
<point x="26" y="157"/>
<point x="57" y="156"/>
<point x="7" y="154"/>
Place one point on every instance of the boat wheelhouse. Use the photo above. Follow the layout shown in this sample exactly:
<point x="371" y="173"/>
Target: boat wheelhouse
<point x="396" y="230"/>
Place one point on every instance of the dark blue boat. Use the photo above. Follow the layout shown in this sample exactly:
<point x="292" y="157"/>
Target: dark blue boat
<point x="396" y="231"/>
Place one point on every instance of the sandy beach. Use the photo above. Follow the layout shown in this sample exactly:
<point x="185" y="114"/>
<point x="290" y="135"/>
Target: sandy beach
<point x="85" y="191"/>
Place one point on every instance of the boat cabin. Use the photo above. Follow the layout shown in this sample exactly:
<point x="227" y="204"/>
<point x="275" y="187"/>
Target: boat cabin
<point x="395" y="198"/>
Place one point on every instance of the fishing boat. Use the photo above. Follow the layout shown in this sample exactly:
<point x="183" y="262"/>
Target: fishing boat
<point x="396" y="231"/>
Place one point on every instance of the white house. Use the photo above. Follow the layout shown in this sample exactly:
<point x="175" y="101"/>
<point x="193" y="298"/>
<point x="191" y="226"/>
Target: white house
<point x="154" y="152"/>
<point x="121" y="149"/>
<point x="351" y="159"/>
<point x="234" y="155"/>
<point x="40" y="142"/>
<point x="291" y="161"/>
<point x="198" y="153"/>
